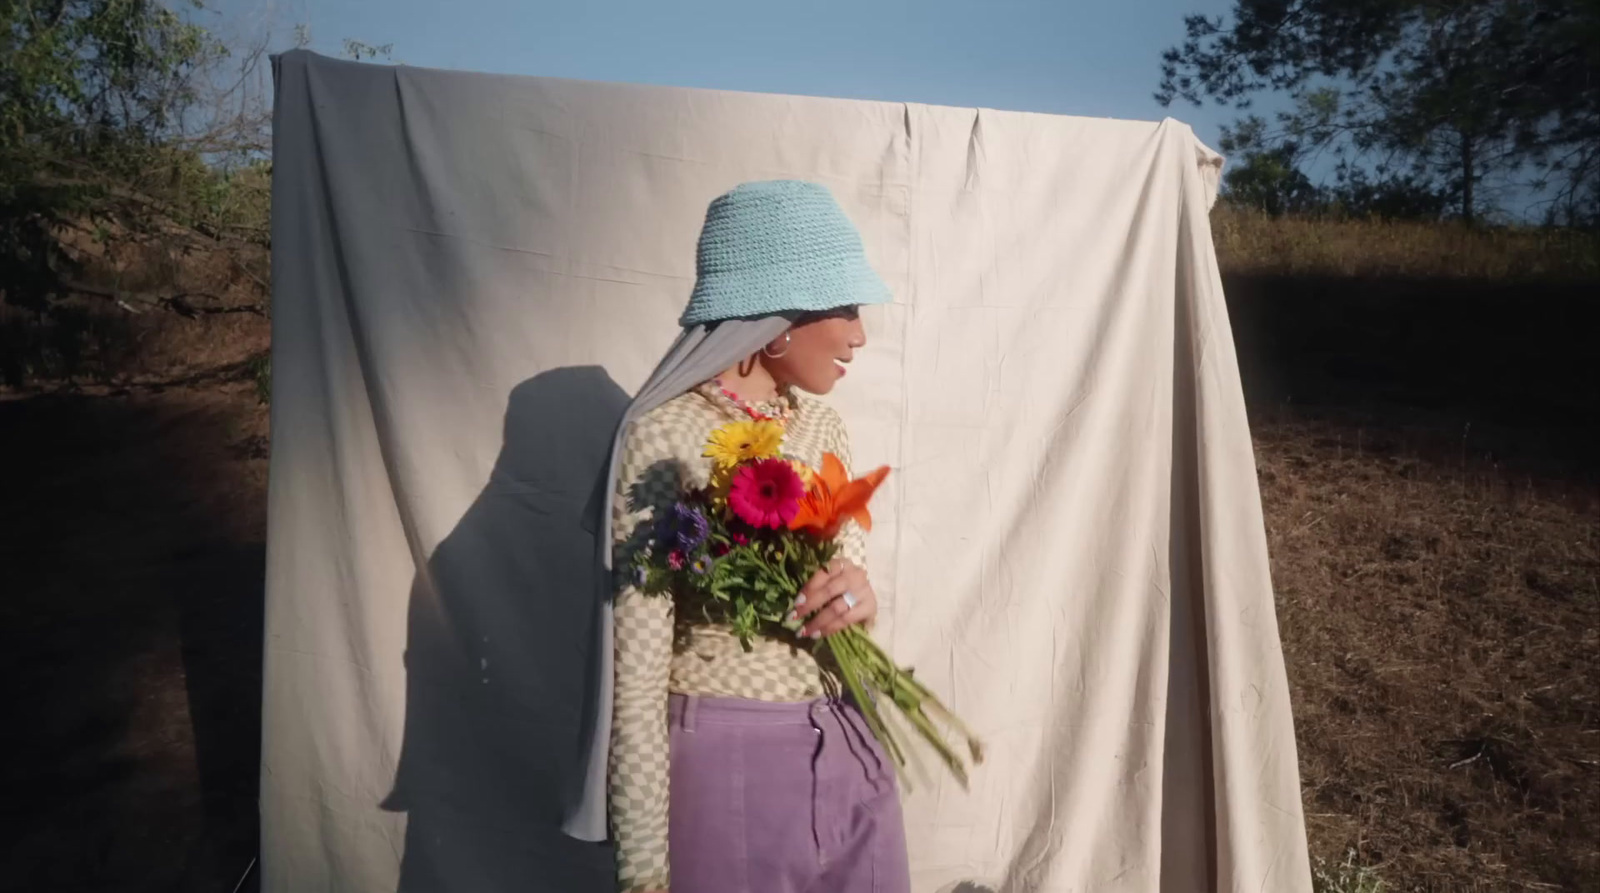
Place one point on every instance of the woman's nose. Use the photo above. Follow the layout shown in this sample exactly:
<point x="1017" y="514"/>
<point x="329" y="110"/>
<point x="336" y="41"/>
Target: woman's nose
<point x="858" y="334"/>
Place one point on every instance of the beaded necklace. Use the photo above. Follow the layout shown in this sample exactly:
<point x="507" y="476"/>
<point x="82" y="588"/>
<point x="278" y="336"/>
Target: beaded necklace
<point x="784" y="412"/>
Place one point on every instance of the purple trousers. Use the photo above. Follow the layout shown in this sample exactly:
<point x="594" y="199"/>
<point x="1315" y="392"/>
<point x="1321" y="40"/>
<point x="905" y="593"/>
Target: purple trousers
<point x="781" y="798"/>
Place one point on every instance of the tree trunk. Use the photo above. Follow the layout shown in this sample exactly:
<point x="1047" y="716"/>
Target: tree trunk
<point x="1467" y="177"/>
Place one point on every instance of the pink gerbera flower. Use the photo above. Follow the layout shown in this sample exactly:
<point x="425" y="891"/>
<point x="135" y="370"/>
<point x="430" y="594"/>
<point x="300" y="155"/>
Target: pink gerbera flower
<point x="766" y="493"/>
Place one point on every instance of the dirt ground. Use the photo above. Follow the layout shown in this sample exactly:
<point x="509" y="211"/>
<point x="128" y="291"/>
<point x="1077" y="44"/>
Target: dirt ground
<point x="1436" y="561"/>
<point x="1441" y="627"/>
<point x="133" y="547"/>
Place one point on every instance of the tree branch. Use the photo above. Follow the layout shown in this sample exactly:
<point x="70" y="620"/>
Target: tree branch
<point x="178" y="303"/>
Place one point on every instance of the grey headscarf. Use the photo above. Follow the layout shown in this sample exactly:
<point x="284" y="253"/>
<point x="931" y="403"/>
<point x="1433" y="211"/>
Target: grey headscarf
<point x="700" y="352"/>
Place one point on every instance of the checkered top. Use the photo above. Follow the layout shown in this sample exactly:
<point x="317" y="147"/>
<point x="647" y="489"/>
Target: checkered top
<point x="657" y="652"/>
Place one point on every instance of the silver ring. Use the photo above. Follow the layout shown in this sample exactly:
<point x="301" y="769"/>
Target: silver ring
<point x="850" y="601"/>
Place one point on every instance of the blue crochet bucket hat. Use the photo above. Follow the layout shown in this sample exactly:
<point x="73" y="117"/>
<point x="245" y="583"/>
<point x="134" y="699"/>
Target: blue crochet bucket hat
<point x="778" y="246"/>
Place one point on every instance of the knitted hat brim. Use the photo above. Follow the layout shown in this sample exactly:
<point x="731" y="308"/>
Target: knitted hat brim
<point x="763" y="293"/>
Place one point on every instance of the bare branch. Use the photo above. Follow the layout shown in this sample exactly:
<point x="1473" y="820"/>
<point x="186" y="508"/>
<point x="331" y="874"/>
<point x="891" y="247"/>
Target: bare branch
<point x="180" y="302"/>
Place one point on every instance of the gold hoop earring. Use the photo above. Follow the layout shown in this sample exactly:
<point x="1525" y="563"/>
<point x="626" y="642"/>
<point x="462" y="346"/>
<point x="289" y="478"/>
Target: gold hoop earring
<point x="767" y="350"/>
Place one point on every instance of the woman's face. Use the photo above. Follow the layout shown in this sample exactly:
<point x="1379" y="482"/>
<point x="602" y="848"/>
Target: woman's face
<point x="818" y="346"/>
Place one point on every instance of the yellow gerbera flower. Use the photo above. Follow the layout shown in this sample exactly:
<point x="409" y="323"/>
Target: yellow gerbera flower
<point x="738" y="442"/>
<point x="721" y="480"/>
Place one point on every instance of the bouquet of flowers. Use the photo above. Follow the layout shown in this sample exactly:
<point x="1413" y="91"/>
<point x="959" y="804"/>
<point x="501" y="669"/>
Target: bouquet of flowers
<point x="739" y="550"/>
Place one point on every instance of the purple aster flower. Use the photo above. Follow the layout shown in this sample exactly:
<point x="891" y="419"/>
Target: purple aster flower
<point x="685" y="527"/>
<point x="701" y="564"/>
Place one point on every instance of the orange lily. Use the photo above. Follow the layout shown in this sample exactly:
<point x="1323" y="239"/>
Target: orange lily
<point x="834" y="498"/>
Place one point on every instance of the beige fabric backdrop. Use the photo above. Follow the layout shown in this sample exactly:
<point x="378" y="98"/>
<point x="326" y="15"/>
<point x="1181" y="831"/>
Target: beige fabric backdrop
<point x="470" y="271"/>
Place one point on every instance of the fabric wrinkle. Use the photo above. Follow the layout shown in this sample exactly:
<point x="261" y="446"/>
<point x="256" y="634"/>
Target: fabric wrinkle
<point x="816" y="784"/>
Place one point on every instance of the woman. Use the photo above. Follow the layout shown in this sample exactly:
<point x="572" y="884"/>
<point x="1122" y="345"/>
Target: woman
<point x="730" y="770"/>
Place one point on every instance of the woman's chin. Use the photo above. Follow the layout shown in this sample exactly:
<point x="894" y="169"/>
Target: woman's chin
<point x="817" y="386"/>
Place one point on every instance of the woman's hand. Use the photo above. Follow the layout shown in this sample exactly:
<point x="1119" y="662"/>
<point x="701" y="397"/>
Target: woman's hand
<point x="823" y="603"/>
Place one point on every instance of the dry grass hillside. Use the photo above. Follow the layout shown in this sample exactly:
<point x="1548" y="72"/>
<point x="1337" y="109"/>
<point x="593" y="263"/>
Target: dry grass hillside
<point x="1425" y="419"/>
<point x="1427" y="433"/>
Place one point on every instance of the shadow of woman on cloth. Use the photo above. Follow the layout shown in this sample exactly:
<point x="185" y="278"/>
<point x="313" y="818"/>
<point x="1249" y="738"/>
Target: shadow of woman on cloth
<point x="499" y="658"/>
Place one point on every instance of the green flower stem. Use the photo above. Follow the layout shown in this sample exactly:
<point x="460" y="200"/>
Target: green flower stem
<point x="871" y="677"/>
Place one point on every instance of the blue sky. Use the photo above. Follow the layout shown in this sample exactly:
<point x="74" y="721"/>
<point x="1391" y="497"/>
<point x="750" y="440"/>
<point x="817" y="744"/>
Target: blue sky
<point x="1080" y="58"/>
